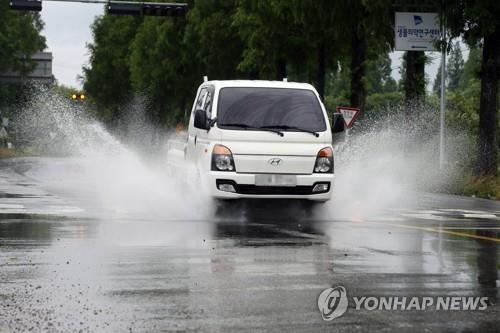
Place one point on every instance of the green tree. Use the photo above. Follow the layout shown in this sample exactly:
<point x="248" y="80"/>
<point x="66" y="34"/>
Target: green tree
<point x="20" y="37"/>
<point x="462" y="104"/>
<point x="455" y="67"/>
<point x="321" y="38"/>
<point x="477" y="22"/>
<point x="472" y="67"/>
<point x="338" y="86"/>
<point x="414" y="76"/>
<point x="371" y="34"/>
<point x="157" y="68"/>
<point x="272" y="37"/>
<point x="107" y="78"/>
<point x="412" y="82"/>
<point x="378" y="78"/>
<point x="454" y="71"/>
<point x="436" y="87"/>
<point x="213" y="40"/>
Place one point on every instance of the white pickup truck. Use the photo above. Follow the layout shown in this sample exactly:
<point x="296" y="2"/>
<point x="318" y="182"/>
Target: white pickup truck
<point x="260" y="139"/>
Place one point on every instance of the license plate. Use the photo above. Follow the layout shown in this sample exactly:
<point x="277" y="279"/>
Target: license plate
<point x="275" y="180"/>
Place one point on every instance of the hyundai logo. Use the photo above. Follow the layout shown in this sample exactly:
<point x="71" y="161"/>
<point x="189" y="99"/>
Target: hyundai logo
<point x="275" y="161"/>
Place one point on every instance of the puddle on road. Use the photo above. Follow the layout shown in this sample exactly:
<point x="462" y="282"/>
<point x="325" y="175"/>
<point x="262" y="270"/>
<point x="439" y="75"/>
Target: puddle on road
<point x="4" y="195"/>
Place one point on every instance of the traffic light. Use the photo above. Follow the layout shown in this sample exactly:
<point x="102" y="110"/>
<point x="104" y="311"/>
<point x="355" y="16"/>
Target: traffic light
<point x="120" y="8"/>
<point x="164" y="10"/>
<point x="77" y="97"/>
<point x="146" y="8"/>
<point x="35" y="5"/>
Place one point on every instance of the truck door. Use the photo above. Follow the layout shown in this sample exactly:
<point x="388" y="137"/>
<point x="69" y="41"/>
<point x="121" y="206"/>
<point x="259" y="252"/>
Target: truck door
<point x="198" y="137"/>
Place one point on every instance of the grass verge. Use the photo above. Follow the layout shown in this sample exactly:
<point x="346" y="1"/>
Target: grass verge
<point x="483" y="187"/>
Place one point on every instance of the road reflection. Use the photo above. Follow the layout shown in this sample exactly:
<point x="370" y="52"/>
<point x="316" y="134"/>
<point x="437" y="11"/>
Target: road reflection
<point x="488" y="265"/>
<point x="259" y="259"/>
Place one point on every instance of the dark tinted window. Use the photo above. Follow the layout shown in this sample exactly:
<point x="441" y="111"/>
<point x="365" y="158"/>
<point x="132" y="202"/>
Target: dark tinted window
<point x="257" y="107"/>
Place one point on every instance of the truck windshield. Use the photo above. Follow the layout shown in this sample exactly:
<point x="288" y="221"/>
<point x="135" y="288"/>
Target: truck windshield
<point x="290" y="110"/>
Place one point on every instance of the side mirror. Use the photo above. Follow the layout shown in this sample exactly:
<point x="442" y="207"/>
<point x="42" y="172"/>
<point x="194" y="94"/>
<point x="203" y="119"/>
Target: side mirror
<point x="338" y="123"/>
<point x="200" y="119"/>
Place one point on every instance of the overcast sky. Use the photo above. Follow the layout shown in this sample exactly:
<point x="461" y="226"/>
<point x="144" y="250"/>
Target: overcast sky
<point x="67" y="29"/>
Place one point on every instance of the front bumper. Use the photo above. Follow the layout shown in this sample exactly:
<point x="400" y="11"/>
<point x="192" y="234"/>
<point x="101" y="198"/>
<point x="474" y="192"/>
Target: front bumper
<point x="244" y="185"/>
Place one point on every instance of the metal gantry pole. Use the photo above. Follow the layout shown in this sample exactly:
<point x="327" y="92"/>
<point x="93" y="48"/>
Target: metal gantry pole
<point x="114" y="7"/>
<point x="82" y="1"/>
<point x="122" y="2"/>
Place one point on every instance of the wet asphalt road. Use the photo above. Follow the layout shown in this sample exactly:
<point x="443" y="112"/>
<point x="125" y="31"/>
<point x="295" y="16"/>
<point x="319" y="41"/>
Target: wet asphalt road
<point x="259" y="268"/>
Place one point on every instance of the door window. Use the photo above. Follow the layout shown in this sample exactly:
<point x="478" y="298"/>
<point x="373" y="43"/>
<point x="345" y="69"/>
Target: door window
<point x="204" y="101"/>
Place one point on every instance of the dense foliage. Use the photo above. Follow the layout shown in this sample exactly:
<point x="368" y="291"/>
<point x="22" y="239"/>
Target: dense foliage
<point x="164" y="59"/>
<point x="19" y="38"/>
<point x="477" y="22"/>
<point x="339" y="46"/>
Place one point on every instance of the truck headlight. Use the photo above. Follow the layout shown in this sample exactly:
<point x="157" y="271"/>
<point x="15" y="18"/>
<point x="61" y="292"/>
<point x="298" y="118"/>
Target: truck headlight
<point x="222" y="159"/>
<point x="324" y="161"/>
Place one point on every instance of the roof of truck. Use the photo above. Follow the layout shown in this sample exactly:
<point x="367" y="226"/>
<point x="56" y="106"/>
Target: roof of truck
<point x="259" y="83"/>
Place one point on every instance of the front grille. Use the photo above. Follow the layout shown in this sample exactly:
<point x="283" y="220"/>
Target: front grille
<point x="270" y="190"/>
<point x="252" y="189"/>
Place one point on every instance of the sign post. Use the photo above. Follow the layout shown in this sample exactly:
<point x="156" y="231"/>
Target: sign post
<point x="350" y="115"/>
<point x="421" y="32"/>
<point x="417" y="31"/>
<point x="442" y="105"/>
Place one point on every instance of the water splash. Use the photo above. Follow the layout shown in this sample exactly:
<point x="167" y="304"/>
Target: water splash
<point x="382" y="165"/>
<point x="386" y="162"/>
<point x="98" y="170"/>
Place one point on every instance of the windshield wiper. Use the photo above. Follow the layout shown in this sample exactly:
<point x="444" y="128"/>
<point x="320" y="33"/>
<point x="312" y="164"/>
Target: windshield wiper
<point x="286" y="127"/>
<point x="246" y="126"/>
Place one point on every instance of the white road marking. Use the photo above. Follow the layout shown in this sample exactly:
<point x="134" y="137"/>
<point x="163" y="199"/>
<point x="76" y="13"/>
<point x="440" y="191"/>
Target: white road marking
<point x="11" y="206"/>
